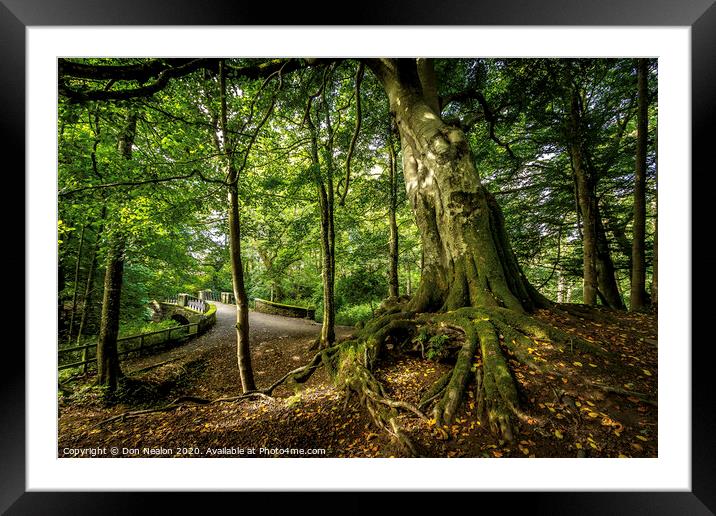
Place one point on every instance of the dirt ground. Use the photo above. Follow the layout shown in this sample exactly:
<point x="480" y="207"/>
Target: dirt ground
<point x="594" y="407"/>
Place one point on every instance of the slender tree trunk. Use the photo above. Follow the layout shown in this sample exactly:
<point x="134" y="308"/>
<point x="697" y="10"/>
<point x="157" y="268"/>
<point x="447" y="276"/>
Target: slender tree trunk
<point x="326" y="205"/>
<point x="108" y="368"/>
<point x="78" y="262"/>
<point x="467" y="257"/>
<point x="89" y="287"/>
<point x="560" y="287"/>
<point x="328" y="335"/>
<point x="243" y="351"/>
<point x="393" y="287"/>
<point x="408" y="280"/>
<point x="586" y="199"/>
<point x="638" y="298"/>
<point x="61" y="322"/>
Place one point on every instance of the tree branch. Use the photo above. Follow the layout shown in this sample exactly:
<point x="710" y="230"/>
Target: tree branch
<point x="351" y="147"/>
<point x="140" y="183"/>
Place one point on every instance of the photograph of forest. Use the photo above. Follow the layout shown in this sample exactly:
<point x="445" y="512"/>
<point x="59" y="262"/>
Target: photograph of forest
<point x="357" y="257"/>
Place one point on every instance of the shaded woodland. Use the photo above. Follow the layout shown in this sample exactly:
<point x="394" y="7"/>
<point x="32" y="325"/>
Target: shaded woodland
<point x="478" y="238"/>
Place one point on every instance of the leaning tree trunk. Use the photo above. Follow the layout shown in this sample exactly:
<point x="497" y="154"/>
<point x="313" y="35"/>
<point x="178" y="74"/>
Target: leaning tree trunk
<point x="328" y="327"/>
<point x="89" y="287"/>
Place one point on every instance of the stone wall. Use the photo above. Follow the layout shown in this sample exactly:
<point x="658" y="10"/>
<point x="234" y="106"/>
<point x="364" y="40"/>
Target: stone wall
<point x="269" y="307"/>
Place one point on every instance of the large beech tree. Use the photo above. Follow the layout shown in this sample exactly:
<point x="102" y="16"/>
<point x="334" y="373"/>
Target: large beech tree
<point x="468" y="260"/>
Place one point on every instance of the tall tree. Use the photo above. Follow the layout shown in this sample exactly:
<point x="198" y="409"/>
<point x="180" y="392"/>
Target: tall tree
<point x="638" y="298"/>
<point x="108" y="368"/>
<point x="393" y="256"/>
<point x="467" y="257"/>
<point x="226" y="145"/>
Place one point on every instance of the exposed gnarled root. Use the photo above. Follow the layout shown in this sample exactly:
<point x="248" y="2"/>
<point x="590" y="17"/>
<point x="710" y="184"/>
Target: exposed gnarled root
<point x="497" y="393"/>
<point x="352" y="373"/>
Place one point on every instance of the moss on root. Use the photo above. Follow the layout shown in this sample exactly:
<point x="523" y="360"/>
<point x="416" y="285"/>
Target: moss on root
<point x="481" y="354"/>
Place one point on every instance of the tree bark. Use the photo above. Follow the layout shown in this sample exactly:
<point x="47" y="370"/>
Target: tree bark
<point x="408" y="280"/>
<point x="243" y="351"/>
<point x="586" y="200"/>
<point x="638" y="297"/>
<point x="606" y="279"/>
<point x="108" y="368"/>
<point x="393" y="286"/>
<point x="467" y="257"/>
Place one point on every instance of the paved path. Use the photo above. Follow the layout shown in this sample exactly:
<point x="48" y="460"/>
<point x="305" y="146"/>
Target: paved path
<point x="266" y="332"/>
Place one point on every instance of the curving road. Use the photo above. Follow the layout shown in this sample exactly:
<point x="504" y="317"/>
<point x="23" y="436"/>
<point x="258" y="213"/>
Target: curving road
<point x="265" y="331"/>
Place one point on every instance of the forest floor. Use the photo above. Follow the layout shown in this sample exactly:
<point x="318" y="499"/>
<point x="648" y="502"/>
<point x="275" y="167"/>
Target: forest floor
<point x="593" y="407"/>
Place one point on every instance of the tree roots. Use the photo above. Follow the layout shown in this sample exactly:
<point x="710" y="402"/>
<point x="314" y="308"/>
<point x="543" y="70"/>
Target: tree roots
<point x="490" y="334"/>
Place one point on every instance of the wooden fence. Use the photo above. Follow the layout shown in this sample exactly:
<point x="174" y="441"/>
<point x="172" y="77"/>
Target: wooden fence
<point x="126" y="345"/>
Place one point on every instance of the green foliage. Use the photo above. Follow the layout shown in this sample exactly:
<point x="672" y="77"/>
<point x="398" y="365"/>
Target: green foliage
<point x="436" y="347"/>
<point x="354" y="314"/>
<point x="137" y="327"/>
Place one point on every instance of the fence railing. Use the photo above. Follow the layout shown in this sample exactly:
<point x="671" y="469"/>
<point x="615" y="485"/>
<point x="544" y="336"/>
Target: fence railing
<point x="209" y="295"/>
<point x="190" y="302"/>
<point x="196" y="304"/>
<point x="127" y="345"/>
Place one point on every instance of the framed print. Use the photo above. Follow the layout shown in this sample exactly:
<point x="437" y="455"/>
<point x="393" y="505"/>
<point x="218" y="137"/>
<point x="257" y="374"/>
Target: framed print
<point x="38" y="44"/>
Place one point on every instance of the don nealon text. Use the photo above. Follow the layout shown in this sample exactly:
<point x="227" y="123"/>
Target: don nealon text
<point x="225" y="451"/>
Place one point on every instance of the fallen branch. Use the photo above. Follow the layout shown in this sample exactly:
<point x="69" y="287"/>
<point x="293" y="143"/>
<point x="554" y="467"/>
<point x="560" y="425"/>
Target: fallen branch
<point x="155" y="365"/>
<point x="178" y="403"/>
<point x="616" y="390"/>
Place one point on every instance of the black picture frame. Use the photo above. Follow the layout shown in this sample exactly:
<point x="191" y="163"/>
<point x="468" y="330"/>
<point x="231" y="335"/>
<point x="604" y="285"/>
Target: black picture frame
<point x="700" y="15"/>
